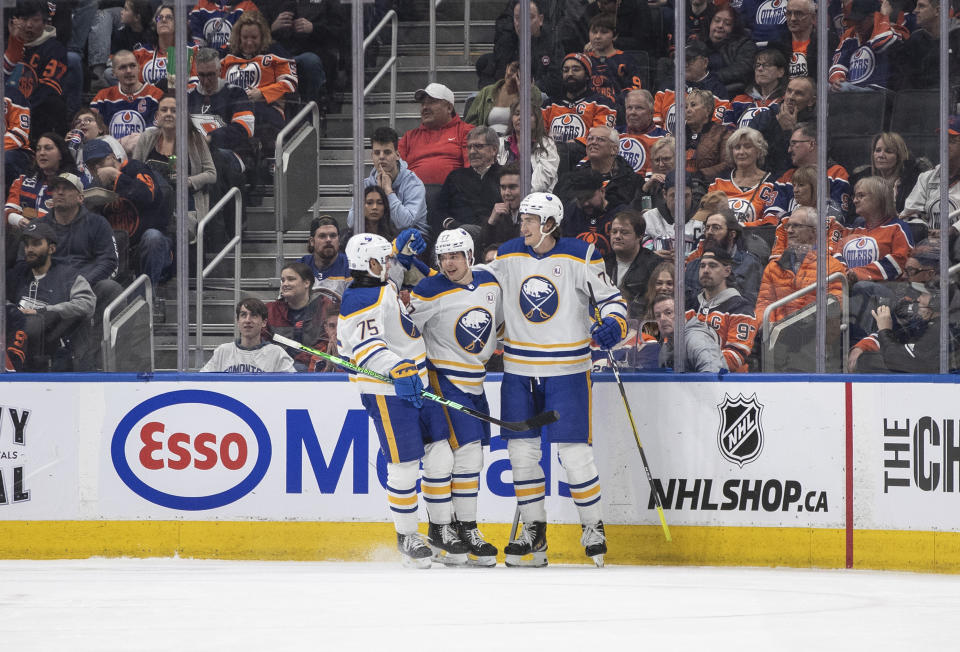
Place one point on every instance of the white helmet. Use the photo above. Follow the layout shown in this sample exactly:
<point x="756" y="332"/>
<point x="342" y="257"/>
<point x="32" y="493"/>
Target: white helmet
<point x="544" y="204"/>
<point x="454" y="240"/>
<point x="364" y="246"/>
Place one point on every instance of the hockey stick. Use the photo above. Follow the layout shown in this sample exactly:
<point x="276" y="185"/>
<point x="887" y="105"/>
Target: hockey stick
<point x="533" y="423"/>
<point x="636" y="435"/>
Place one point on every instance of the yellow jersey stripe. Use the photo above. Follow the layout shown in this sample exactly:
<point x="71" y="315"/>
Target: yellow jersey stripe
<point x="370" y="307"/>
<point x="402" y="501"/>
<point x="388" y="431"/>
<point x="580" y="495"/>
<point x="529" y="491"/>
<point x="537" y="345"/>
<point x="510" y="358"/>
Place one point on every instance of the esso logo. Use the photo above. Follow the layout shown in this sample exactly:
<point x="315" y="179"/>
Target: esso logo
<point x="191" y="450"/>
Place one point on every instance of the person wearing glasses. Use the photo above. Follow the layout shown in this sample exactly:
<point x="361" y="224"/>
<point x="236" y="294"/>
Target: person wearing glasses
<point x="468" y="194"/>
<point x="640" y="132"/>
<point x="801" y="42"/>
<point x="751" y="108"/>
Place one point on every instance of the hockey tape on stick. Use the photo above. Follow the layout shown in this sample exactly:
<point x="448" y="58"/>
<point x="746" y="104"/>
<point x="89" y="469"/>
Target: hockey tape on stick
<point x="636" y="434"/>
<point x="533" y="423"/>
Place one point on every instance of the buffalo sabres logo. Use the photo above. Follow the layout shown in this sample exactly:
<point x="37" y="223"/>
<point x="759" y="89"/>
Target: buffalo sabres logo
<point x="633" y="152"/>
<point x="861" y="251"/>
<point x="473" y="330"/>
<point x="862" y="64"/>
<point x="772" y="12"/>
<point x="740" y="436"/>
<point x="568" y="126"/>
<point x="408" y="326"/>
<point x="244" y="75"/>
<point x="743" y="210"/>
<point x="124" y="123"/>
<point x="538" y="299"/>
<point x="216" y="32"/>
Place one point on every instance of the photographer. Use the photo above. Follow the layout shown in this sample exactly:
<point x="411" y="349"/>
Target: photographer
<point x="907" y="338"/>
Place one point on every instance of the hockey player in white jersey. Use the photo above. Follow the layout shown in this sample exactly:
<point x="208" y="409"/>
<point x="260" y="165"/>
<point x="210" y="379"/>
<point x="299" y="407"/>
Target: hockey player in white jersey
<point x="460" y="315"/>
<point x="546" y="283"/>
<point x="375" y="331"/>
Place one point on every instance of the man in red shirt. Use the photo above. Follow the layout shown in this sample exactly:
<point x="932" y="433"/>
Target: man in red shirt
<point x="439" y="145"/>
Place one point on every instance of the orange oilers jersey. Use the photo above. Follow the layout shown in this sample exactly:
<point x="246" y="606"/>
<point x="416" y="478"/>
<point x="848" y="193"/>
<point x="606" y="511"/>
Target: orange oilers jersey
<point x="16" y="114"/>
<point x="835" y="233"/>
<point x="876" y="253"/>
<point x="734" y="321"/>
<point x="635" y="148"/>
<point x="664" y="109"/>
<point x="570" y="120"/>
<point x="799" y="59"/>
<point x="153" y="64"/>
<point x="274" y="76"/>
<point x="748" y="204"/>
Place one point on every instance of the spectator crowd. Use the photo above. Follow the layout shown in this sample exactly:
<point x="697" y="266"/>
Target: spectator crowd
<point x="90" y="185"/>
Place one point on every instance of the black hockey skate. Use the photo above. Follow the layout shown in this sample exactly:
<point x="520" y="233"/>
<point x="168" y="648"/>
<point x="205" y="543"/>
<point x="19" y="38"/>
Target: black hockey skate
<point x="446" y="545"/>
<point x="530" y="548"/>
<point x="594" y="542"/>
<point x="416" y="553"/>
<point x="481" y="553"/>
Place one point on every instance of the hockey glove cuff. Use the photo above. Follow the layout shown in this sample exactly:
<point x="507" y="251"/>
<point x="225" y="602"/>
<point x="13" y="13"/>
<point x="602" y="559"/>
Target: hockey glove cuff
<point x="609" y="332"/>
<point x="406" y="382"/>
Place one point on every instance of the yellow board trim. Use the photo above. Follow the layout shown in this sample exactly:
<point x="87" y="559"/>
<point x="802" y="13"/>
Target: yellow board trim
<point x="388" y="428"/>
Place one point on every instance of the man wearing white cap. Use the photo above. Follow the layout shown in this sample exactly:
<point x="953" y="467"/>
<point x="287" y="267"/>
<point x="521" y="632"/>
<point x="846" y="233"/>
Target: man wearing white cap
<point x="439" y="145"/>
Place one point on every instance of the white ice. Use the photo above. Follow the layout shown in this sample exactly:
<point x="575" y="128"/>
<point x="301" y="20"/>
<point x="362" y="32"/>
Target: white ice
<point x="193" y="605"/>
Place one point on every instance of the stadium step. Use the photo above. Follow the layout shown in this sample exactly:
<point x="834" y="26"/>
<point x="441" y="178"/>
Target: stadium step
<point x="448" y="31"/>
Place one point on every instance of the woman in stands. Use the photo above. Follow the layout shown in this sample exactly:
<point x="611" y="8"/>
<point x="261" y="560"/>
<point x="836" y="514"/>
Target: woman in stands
<point x="543" y="150"/>
<point x="770" y="77"/>
<point x="660" y="285"/>
<point x="151" y="54"/>
<point x="376" y="212"/>
<point x="262" y="70"/>
<point x="136" y="27"/>
<point x="299" y="316"/>
<point x="29" y="196"/>
<point x="731" y="50"/>
<point x="662" y="159"/>
<point x="890" y="160"/>
<point x="705" y="137"/>
<point x="157" y="145"/>
<point x="88" y="125"/>
<point x="493" y="105"/>
<point x="805" y="194"/>
<point x="749" y="187"/>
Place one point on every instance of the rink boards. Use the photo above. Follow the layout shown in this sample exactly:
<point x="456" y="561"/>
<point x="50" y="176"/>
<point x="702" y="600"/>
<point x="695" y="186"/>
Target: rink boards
<point x="823" y="473"/>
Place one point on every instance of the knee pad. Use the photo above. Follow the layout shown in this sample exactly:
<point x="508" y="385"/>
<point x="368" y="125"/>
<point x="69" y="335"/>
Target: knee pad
<point x="403" y="475"/>
<point x="575" y="455"/>
<point x="437" y="459"/>
<point x="524" y="452"/>
<point x="468" y="458"/>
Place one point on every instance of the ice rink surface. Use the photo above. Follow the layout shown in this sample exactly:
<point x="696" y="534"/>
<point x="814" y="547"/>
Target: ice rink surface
<point x="192" y="605"/>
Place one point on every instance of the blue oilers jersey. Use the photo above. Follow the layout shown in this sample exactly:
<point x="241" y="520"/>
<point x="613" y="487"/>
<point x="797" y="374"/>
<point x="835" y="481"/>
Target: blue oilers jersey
<point x="546" y="305"/>
<point x="375" y="331"/>
<point x="127" y="114"/>
<point x="460" y="325"/>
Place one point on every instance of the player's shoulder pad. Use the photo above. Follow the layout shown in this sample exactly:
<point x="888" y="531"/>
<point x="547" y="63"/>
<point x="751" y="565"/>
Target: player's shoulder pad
<point x="358" y="299"/>
<point x="576" y="248"/>
<point x="514" y="246"/>
<point x="481" y="275"/>
<point x="430" y="286"/>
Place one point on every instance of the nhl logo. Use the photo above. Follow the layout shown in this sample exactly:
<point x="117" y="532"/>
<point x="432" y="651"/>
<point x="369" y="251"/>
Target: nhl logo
<point x="740" y="436"/>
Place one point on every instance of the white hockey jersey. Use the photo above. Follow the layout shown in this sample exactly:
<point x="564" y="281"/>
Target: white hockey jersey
<point x="460" y="325"/>
<point x="375" y="331"/>
<point x="546" y="305"/>
<point x="266" y="358"/>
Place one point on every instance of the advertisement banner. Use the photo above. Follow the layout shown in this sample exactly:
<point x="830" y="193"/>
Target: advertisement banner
<point x="722" y="453"/>
<point x="907" y="455"/>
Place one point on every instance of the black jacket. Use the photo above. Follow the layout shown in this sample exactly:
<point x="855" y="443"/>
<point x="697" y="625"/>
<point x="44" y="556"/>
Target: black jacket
<point x="633" y="285"/>
<point x="86" y="244"/>
<point x="466" y="197"/>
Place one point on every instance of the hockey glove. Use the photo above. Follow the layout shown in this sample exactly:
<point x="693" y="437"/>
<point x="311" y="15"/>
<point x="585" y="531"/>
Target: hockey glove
<point x="406" y="382"/>
<point x="407" y="245"/>
<point x="610" y="331"/>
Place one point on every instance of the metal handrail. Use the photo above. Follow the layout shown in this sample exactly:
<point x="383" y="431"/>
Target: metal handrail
<point x="845" y="307"/>
<point x="391" y="63"/>
<point x="279" y="176"/>
<point x="109" y="360"/>
<point x="204" y="271"/>
<point x="432" y="73"/>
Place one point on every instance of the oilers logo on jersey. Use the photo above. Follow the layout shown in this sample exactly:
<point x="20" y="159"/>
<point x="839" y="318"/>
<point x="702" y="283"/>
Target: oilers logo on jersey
<point x="124" y="123"/>
<point x="538" y="299"/>
<point x="743" y="209"/>
<point x="749" y="116"/>
<point x="473" y="330"/>
<point x="154" y="70"/>
<point x="862" y="65"/>
<point x="860" y="252"/>
<point x="633" y="152"/>
<point x="244" y="75"/>
<point x="798" y="65"/>
<point x="568" y="126"/>
<point x="772" y="12"/>
<point x="216" y="32"/>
